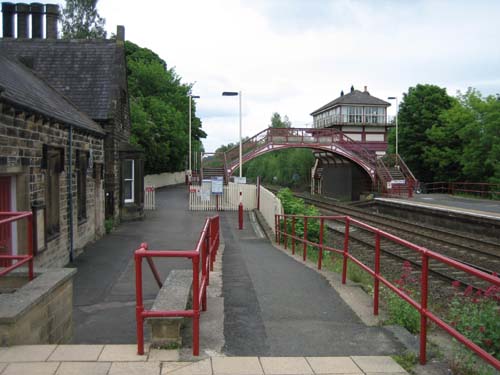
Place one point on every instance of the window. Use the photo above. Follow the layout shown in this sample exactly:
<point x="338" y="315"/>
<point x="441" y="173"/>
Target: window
<point x="128" y="181"/>
<point x="53" y="162"/>
<point x="81" y="183"/>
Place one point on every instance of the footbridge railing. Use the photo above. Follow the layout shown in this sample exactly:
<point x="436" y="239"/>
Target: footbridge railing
<point x="279" y="138"/>
<point x="204" y="252"/>
<point x="286" y="233"/>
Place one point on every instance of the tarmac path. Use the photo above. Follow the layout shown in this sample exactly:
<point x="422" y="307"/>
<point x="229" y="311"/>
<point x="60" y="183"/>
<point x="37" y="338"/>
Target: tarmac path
<point x="274" y="306"/>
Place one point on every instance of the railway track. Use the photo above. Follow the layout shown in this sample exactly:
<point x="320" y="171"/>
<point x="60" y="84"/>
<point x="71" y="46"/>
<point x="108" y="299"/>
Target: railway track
<point x="479" y="253"/>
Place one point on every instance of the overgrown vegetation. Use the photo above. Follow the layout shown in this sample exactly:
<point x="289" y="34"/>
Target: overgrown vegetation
<point x="80" y="20"/>
<point x="159" y="106"/>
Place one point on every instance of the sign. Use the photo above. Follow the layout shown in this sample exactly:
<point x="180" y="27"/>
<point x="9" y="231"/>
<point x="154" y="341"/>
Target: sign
<point x="206" y="187"/>
<point x="398" y="182"/>
<point x="240" y="180"/>
<point x="389" y="185"/>
<point x="218" y="186"/>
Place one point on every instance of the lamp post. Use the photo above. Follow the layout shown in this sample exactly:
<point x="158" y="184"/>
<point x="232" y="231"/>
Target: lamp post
<point x="191" y="97"/>
<point x="234" y="93"/>
<point x="397" y="110"/>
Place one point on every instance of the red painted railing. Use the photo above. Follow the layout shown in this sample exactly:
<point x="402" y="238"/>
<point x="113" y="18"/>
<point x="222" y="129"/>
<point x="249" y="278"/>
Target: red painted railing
<point x="426" y="256"/>
<point x="7" y="218"/>
<point x="481" y="189"/>
<point x="205" y="251"/>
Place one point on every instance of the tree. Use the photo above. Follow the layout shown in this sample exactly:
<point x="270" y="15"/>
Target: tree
<point x="159" y="108"/>
<point x="80" y="20"/>
<point x="277" y="122"/>
<point x="419" y="111"/>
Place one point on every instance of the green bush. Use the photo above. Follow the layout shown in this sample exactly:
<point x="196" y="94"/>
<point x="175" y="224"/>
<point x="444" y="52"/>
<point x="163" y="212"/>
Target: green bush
<point x="108" y="225"/>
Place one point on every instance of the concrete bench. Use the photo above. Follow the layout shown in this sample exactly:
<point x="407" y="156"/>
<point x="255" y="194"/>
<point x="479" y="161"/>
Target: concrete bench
<point x="175" y="294"/>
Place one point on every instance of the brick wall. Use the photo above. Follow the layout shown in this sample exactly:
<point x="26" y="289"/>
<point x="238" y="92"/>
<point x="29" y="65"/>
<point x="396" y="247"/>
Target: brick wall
<point x="22" y="138"/>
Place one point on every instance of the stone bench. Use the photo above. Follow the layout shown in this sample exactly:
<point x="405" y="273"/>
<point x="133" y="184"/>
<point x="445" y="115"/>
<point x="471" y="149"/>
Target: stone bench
<point x="175" y="294"/>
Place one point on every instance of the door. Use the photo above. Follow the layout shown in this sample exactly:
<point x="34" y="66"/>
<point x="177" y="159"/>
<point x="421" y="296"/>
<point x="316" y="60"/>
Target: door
<point x="5" y="229"/>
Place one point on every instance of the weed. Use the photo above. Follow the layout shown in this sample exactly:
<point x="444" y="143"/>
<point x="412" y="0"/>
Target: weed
<point x="109" y="225"/>
<point x="407" y="360"/>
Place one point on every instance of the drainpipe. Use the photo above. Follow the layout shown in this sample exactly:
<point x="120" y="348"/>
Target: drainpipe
<point x="70" y="192"/>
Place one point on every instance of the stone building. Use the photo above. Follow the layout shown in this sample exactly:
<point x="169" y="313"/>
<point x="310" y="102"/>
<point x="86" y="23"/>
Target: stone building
<point x="363" y="118"/>
<point x="64" y="132"/>
<point x="92" y="74"/>
<point x="51" y="160"/>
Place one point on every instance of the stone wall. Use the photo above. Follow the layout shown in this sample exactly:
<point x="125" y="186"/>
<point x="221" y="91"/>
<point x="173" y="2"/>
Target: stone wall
<point x="22" y="138"/>
<point x="40" y="312"/>
<point x="165" y="179"/>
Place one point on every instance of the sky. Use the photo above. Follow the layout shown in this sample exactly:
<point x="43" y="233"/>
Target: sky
<point x="293" y="56"/>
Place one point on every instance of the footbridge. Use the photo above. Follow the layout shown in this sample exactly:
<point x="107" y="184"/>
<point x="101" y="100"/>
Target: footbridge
<point x="380" y="171"/>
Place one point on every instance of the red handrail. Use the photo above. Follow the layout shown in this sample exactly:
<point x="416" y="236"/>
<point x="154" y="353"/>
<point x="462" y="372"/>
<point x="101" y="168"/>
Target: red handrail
<point x="425" y="253"/>
<point x="206" y="250"/>
<point x="5" y="219"/>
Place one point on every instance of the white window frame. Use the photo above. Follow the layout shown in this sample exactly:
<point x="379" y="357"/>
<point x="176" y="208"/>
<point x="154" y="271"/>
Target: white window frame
<point x="131" y="180"/>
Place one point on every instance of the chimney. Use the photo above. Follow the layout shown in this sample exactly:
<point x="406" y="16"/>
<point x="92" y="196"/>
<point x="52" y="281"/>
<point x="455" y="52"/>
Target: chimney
<point x="366" y="88"/>
<point x="120" y="33"/>
<point x="342" y="93"/>
<point x="37" y="11"/>
<point x="8" y="11"/>
<point x="352" y="88"/>
<point x="52" y="15"/>
<point x="23" y="27"/>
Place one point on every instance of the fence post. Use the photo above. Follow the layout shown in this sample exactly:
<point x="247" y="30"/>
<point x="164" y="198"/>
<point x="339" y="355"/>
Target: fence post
<point x="276" y="228"/>
<point x="376" y="281"/>
<point x="321" y="228"/>
<point x="285" y="234"/>
<point x="196" y="307"/>
<point x="304" y="253"/>
<point x="346" y="249"/>
<point x="423" y="306"/>
<point x="293" y="234"/>
<point x="139" y="307"/>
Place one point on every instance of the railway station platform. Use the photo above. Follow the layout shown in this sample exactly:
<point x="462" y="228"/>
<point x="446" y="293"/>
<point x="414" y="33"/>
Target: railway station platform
<point x="273" y="306"/>
<point x="444" y="202"/>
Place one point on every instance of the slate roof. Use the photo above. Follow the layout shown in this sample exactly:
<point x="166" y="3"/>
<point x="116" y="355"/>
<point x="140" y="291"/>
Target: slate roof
<point x="85" y="71"/>
<point x="21" y="87"/>
<point x="354" y="97"/>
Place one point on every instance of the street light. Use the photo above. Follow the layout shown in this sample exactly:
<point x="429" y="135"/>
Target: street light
<point x="191" y="97"/>
<point x="397" y="110"/>
<point x="234" y="93"/>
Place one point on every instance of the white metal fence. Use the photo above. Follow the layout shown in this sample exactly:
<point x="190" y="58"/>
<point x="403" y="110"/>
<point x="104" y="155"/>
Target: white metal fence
<point x="269" y="206"/>
<point x="203" y="200"/>
<point x="149" y="198"/>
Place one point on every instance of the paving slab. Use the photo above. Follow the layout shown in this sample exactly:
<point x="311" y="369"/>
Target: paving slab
<point x="124" y="353"/>
<point x="285" y="365"/>
<point x="378" y="364"/>
<point x="83" y="368"/>
<point x="135" y="368"/>
<point x="163" y="355"/>
<point x="27" y="353"/>
<point x="236" y="366"/>
<point x="31" y="368"/>
<point x="333" y="365"/>
<point x="203" y="367"/>
<point x="79" y="353"/>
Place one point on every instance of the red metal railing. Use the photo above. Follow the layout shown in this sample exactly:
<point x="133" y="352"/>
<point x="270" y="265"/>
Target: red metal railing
<point x="481" y="189"/>
<point x="205" y="251"/>
<point x="6" y="218"/>
<point x="426" y="256"/>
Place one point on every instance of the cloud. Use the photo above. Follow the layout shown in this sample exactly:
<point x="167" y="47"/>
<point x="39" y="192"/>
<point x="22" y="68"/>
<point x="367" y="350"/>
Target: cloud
<point x="293" y="56"/>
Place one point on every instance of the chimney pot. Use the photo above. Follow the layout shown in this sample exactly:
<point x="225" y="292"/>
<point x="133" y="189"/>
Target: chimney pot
<point x="37" y="11"/>
<point x="23" y="27"/>
<point x="120" y="33"/>
<point x="8" y="11"/>
<point x="366" y="88"/>
<point x="352" y="88"/>
<point x="51" y="17"/>
<point x="342" y="93"/>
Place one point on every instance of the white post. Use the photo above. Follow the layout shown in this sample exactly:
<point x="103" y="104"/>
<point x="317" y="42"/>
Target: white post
<point x="241" y="147"/>
<point x="189" y="170"/>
